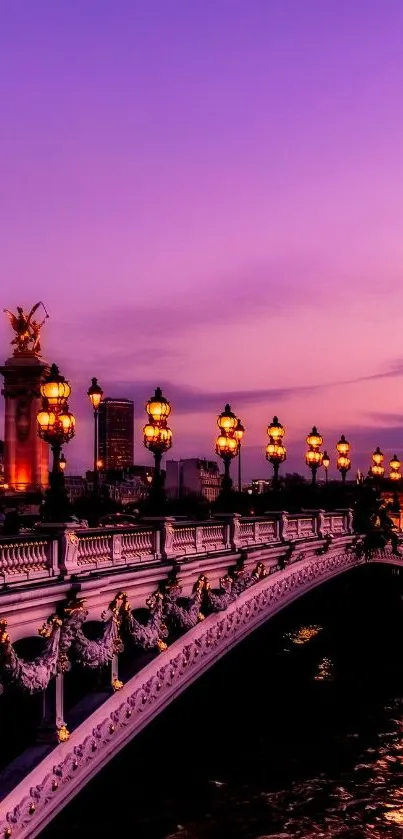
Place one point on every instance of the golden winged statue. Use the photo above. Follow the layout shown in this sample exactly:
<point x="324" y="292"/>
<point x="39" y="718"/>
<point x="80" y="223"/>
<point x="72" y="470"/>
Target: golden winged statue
<point x="27" y="330"/>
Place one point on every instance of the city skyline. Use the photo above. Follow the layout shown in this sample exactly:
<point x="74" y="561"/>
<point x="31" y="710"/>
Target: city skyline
<point x="208" y="200"/>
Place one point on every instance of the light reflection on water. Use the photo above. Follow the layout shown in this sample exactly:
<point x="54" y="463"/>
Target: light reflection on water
<point x="303" y="634"/>
<point x="324" y="672"/>
<point x="364" y="803"/>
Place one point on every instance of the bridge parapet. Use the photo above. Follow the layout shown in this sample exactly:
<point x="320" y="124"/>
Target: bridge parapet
<point x="27" y="558"/>
<point x="64" y="550"/>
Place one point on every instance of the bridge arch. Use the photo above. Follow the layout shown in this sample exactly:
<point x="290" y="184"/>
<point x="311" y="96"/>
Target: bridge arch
<point x="66" y="769"/>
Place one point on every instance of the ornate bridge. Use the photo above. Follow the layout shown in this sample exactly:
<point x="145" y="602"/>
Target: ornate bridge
<point x="206" y="586"/>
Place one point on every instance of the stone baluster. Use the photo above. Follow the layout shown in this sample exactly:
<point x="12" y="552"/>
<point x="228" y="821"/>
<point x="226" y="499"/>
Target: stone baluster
<point x="53" y="557"/>
<point x="199" y="539"/>
<point x="320" y="523"/>
<point x="167" y="538"/>
<point x="283" y="526"/>
<point x="116" y="547"/>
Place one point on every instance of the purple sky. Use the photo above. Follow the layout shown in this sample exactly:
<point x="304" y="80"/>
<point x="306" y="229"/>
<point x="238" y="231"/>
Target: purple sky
<point x="208" y="197"/>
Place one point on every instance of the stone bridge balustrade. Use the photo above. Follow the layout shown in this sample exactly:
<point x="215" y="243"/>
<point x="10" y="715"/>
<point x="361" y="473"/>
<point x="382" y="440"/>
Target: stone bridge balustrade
<point x="27" y="557"/>
<point x="68" y="550"/>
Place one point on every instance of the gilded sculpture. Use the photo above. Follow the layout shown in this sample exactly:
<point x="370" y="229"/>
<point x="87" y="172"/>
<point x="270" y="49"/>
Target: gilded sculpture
<point x="27" y="329"/>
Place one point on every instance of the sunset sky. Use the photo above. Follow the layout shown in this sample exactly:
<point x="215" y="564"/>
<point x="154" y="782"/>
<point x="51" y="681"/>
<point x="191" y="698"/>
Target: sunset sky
<point x="208" y="196"/>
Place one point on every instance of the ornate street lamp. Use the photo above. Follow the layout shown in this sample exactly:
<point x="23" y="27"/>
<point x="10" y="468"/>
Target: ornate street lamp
<point x="227" y="444"/>
<point x="95" y="394"/>
<point x="239" y="431"/>
<point x="157" y="437"/>
<point x="56" y="426"/>
<point x="326" y="464"/>
<point x="343" y="460"/>
<point x="377" y="469"/>
<point x="276" y="453"/>
<point x="394" y="465"/>
<point x="314" y="457"/>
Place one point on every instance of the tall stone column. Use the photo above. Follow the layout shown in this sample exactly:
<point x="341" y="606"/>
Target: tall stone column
<point x="26" y="456"/>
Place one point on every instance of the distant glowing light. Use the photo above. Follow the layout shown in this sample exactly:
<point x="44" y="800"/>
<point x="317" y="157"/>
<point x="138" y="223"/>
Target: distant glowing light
<point x="324" y="672"/>
<point x="304" y="634"/>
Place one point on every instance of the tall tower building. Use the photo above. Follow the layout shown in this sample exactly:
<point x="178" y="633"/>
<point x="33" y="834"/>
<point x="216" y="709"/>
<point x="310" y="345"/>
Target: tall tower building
<point x="116" y="433"/>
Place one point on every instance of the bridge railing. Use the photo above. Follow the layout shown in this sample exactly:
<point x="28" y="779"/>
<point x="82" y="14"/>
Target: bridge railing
<point x="66" y="549"/>
<point x="28" y="557"/>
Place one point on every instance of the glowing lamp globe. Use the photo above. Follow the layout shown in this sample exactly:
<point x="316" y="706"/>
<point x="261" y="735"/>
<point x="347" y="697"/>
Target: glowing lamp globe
<point x="227" y="421"/>
<point x="343" y="446"/>
<point x="165" y="437"/>
<point x="46" y="421"/>
<point x="54" y="388"/>
<point x="239" y="431"/>
<point x="314" y="439"/>
<point x="150" y="433"/>
<point x="377" y="471"/>
<point x="158" y="408"/>
<point x="226" y="446"/>
<point x="276" y="453"/>
<point x="377" y="456"/>
<point x="395" y="476"/>
<point x="276" y="431"/>
<point x="395" y="464"/>
<point x="95" y="394"/>
<point x="343" y="463"/>
<point x="314" y="458"/>
<point x="67" y="422"/>
<point x="326" y="460"/>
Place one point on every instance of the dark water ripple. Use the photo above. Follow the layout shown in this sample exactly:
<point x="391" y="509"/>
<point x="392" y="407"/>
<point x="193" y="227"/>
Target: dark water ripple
<point x="297" y="733"/>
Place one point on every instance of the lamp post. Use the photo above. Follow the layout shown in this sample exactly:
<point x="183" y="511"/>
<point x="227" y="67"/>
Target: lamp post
<point x="56" y="426"/>
<point x="226" y="444"/>
<point x="394" y="464"/>
<point x="239" y="431"/>
<point x="377" y="469"/>
<point x="95" y="394"/>
<point x="314" y="457"/>
<point x="326" y="464"/>
<point x="276" y="453"/>
<point x="343" y="460"/>
<point x="157" y="438"/>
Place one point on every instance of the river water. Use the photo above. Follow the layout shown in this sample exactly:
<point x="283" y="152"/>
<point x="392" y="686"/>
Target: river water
<point x="298" y="732"/>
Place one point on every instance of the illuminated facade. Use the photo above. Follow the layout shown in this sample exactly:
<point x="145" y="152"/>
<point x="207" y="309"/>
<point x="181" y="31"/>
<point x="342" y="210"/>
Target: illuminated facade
<point x="193" y="476"/>
<point x="26" y="457"/>
<point x="116" y="433"/>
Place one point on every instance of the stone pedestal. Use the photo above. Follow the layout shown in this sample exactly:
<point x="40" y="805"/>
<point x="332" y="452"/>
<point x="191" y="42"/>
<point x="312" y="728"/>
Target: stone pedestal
<point x="26" y="456"/>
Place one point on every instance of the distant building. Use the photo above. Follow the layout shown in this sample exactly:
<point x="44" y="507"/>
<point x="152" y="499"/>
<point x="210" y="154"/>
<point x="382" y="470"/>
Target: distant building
<point x="116" y="433"/>
<point x="193" y="476"/>
<point x="129" y="490"/>
<point x="76" y="486"/>
<point x="260" y="485"/>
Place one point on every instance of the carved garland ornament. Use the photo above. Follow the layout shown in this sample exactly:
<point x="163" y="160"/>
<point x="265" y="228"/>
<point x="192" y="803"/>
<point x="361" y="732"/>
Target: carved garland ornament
<point x="65" y="636"/>
<point x="120" y="717"/>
